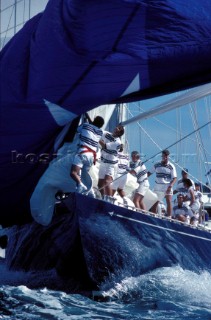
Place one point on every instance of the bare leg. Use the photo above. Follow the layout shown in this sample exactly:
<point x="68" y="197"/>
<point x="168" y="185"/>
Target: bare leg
<point x="121" y="192"/>
<point x="138" y="201"/>
<point x="101" y="186"/>
<point x="168" y="205"/>
<point x="108" y="180"/>
<point x="141" y="202"/>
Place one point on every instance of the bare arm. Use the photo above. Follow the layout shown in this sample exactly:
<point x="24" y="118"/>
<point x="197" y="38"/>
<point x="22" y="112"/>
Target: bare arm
<point x="172" y="182"/>
<point x="88" y="117"/>
<point x="103" y="144"/>
<point x="192" y="196"/>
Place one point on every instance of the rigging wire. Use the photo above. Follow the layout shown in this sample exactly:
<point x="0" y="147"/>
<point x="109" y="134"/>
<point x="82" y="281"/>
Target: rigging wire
<point x="196" y="129"/>
<point x="178" y="133"/>
<point x="150" y="138"/>
<point x="199" y="128"/>
<point x="13" y="11"/>
<point x="199" y="152"/>
<point x="18" y="8"/>
<point x="24" y="10"/>
<point x="11" y="5"/>
<point x="168" y="147"/>
<point x="208" y="109"/>
<point x="201" y="149"/>
<point x="3" y="43"/>
<point x="178" y="141"/>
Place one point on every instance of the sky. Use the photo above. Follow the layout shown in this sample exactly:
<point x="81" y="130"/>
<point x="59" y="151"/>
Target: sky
<point x="11" y="16"/>
<point x="151" y="135"/>
<point x="160" y="132"/>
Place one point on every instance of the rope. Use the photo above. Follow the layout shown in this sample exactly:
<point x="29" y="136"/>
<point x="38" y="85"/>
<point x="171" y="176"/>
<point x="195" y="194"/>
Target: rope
<point x="179" y="135"/>
<point x="189" y="134"/>
<point x="171" y="145"/>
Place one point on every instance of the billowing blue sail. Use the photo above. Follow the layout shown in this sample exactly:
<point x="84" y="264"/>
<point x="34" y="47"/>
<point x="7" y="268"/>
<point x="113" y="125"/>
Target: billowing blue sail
<point x="77" y="55"/>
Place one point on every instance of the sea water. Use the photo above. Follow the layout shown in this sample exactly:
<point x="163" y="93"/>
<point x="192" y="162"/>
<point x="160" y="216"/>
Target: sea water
<point x="165" y="293"/>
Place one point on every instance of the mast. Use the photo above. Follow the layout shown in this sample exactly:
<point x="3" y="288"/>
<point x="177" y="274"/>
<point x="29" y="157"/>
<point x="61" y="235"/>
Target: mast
<point x="183" y="99"/>
<point x="15" y="14"/>
<point x="29" y="9"/>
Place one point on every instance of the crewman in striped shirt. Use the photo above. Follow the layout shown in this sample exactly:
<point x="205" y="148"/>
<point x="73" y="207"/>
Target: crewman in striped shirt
<point x="90" y="134"/>
<point x="121" y="178"/>
<point x="111" y="144"/>
<point x="138" y="169"/>
<point x="166" y="177"/>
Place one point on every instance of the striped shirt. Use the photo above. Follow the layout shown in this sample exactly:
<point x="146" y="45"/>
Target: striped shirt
<point x="123" y="162"/>
<point x="89" y="137"/>
<point x="183" y="210"/>
<point x="140" y="169"/>
<point x="180" y="186"/>
<point x="164" y="172"/>
<point x="110" y="153"/>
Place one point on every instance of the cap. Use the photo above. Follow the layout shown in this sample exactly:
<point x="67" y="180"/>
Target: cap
<point x="166" y="152"/>
<point x="184" y="170"/>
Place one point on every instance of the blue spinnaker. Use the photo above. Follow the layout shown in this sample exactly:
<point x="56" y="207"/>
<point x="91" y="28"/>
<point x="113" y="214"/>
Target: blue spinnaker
<point x="77" y="55"/>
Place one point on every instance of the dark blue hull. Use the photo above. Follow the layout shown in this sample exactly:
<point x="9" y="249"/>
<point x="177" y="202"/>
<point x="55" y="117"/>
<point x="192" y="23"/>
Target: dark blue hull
<point x="118" y="242"/>
<point x="53" y="255"/>
<point x="95" y="243"/>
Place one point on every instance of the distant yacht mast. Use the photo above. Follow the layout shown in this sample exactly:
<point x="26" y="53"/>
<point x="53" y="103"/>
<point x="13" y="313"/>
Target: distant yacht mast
<point x="14" y="16"/>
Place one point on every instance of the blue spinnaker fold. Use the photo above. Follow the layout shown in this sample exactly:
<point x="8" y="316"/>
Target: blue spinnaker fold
<point x="85" y="53"/>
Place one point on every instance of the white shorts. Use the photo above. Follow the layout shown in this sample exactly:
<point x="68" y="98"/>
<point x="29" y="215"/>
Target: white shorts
<point x="83" y="159"/>
<point x="107" y="169"/>
<point x="119" y="182"/>
<point x="161" y="189"/>
<point x="143" y="188"/>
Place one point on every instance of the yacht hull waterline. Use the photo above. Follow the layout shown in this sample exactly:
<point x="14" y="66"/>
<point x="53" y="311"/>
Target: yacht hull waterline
<point x="97" y="243"/>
